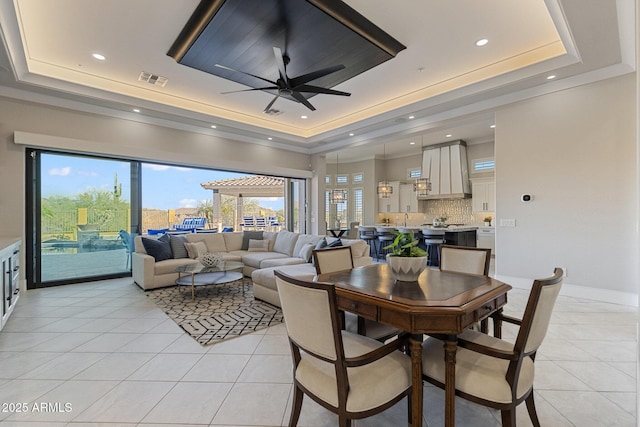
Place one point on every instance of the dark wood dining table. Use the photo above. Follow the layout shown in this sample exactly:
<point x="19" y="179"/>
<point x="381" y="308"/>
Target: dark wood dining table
<point x="439" y="302"/>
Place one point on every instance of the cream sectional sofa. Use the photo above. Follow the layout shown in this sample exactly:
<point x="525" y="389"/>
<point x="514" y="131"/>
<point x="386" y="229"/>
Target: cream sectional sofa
<point x="284" y="250"/>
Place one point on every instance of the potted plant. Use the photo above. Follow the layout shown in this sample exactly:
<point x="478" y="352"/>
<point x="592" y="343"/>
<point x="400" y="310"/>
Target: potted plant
<point x="487" y="221"/>
<point x="406" y="259"/>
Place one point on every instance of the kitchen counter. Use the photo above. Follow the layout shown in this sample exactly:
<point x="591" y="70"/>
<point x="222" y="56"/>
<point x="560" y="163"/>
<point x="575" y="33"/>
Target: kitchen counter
<point x="450" y="228"/>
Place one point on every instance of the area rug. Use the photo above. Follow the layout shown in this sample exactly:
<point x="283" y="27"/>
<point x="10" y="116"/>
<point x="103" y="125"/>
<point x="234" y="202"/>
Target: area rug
<point x="219" y="312"/>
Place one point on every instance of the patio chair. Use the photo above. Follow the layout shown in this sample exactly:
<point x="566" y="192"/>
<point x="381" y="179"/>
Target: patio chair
<point x="261" y="223"/>
<point x="248" y="222"/>
<point x="127" y="242"/>
<point x="273" y="223"/>
<point x="192" y="224"/>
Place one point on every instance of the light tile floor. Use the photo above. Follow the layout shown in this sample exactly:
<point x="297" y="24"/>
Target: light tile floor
<point x="102" y="354"/>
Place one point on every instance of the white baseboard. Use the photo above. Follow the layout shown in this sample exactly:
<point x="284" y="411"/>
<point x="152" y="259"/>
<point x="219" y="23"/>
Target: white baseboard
<point x="595" y="294"/>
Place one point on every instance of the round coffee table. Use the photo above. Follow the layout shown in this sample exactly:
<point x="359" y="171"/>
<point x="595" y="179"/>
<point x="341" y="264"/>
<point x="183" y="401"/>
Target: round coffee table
<point x="201" y="275"/>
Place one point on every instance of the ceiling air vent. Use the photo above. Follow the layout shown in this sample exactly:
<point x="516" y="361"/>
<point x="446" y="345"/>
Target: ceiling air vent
<point x="154" y="79"/>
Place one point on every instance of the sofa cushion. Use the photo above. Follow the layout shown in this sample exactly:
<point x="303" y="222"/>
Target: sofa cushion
<point x="254" y="259"/>
<point x="177" y="246"/>
<point x="303" y="239"/>
<point x="275" y="262"/>
<point x="258" y="245"/>
<point x="159" y="249"/>
<point x="285" y="242"/>
<point x="196" y="249"/>
<point x="250" y="235"/>
<point x="233" y="241"/>
<point x="266" y="277"/>
<point x="214" y="241"/>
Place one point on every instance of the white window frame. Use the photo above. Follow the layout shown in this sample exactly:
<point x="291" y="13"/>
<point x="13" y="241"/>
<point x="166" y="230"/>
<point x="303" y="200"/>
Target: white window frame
<point x="488" y="162"/>
<point x="357" y="178"/>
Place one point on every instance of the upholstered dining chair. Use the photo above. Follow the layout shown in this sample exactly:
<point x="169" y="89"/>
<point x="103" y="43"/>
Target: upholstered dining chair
<point x="350" y="375"/>
<point x="332" y="260"/>
<point x="494" y="372"/>
<point x="464" y="259"/>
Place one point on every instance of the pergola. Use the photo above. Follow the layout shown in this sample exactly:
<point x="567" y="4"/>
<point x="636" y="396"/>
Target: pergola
<point x="249" y="186"/>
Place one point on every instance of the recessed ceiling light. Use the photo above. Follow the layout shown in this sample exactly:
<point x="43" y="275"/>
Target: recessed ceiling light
<point x="213" y="126"/>
<point x="270" y="139"/>
<point x="412" y="143"/>
<point x="99" y="56"/>
<point x="492" y="126"/>
<point x="448" y="135"/>
<point x="482" y="42"/>
<point x="136" y="110"/>
<point x="551" y="77"/>
<point x="412" y="117"/>
<point x="304" y="117"/>
<point x="351" y="134"/>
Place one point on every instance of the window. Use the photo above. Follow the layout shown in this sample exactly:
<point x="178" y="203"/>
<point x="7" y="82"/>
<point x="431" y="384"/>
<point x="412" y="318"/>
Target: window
<point x="484" y="165"/>
<point x="357" y="205"/>
<point x="414" y="173"/>
<point x="357" y="177"/>
<point x="327" y="179"/>
<point x="327" y="206"/>
<point x="342" y="179"/>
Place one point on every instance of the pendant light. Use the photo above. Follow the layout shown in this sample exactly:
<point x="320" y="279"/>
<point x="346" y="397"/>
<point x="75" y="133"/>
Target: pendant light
<point x="384" y="188"/>
<point x="337" y="196"/>
<point x="422" y="185"/>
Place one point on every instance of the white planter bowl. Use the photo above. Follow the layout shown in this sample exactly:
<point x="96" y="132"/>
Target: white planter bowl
<point x="406" y="269"/>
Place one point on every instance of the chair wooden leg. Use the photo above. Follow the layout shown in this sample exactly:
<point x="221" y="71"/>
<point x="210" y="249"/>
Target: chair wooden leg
<point x="296" y="407"/>
<point x="531" y="408"/>
<point x="508" y="417"/>
<point x="343" y="421"/>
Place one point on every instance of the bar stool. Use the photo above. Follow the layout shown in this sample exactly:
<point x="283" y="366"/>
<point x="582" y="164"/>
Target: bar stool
<point x="368" y="234"/>
<point x="433" y="239"/>
<point x="385" y="237"/>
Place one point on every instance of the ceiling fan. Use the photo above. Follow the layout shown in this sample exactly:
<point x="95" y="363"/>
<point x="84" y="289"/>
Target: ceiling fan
<point x="292" y="86"/>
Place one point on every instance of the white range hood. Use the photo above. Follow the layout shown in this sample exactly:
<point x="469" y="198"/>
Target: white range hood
<point x="447" y="169"/>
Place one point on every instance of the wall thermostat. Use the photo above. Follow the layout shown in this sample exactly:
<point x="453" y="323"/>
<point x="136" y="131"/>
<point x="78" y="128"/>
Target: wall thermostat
<point x="526" y="198"/>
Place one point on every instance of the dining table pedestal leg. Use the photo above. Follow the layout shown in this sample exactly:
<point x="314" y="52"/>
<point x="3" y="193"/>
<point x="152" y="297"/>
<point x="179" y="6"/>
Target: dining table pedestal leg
<point x="450" y="348"/>
<point x="415" y="348"/>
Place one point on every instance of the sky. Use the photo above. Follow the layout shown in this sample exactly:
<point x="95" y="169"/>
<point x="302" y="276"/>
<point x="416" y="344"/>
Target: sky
<point x="163" y="187"/>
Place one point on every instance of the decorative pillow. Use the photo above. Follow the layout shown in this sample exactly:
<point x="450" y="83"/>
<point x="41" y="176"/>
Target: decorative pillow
<point x="249" y="235"/>
<point x="177" y="246"/>
<point x="306" y="252"/>
<point x="335" y="243"/>
<point x="258" y="245"/>
<point x="159" y="249"/>
<point x="196" y="249"/>
<point x="321" y="244"/>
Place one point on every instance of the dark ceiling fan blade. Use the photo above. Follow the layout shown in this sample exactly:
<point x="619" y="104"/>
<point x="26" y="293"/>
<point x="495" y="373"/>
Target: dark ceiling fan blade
<point x="305" y="78"/>
<point x="249" y="90"/>
<point x="246" y="74"/>
<point x="302" y="99"/>
<point x="281" y="67"/>
<point x="318" y="89"/>
<point x="271" y="103"/>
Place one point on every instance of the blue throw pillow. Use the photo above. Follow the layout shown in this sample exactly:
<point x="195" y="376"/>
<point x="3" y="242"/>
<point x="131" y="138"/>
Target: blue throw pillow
<point x="159" y="249"/>
<point x="335" y="243"/>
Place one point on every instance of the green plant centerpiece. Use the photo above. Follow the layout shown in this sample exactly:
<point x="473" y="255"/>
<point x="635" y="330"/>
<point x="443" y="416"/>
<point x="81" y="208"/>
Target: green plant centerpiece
<point x="406" y="260"/>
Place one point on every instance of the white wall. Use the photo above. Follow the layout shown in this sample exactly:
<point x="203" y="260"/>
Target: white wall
<point x="575" y="152"/>
<point x="55" y="128"/>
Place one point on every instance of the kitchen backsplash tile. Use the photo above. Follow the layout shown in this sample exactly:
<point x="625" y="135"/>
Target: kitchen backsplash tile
<point x="457" y="211"/>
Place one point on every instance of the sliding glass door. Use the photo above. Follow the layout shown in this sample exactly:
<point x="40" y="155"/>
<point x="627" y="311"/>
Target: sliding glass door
<point x="81" y="218"/>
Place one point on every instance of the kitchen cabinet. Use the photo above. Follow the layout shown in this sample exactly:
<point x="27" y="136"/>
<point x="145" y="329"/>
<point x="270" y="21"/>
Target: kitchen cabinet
<point x="461" y="238"/>
<point x="483" y="195"/>
<point x="487" y="239"/>
<point x="408" y="199"/>
<point x="390" y="204"/>
<point x="10" y="262"/>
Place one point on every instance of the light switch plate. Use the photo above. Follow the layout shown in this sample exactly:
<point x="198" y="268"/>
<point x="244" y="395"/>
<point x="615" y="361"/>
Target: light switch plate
<point x="507" y="223"/>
